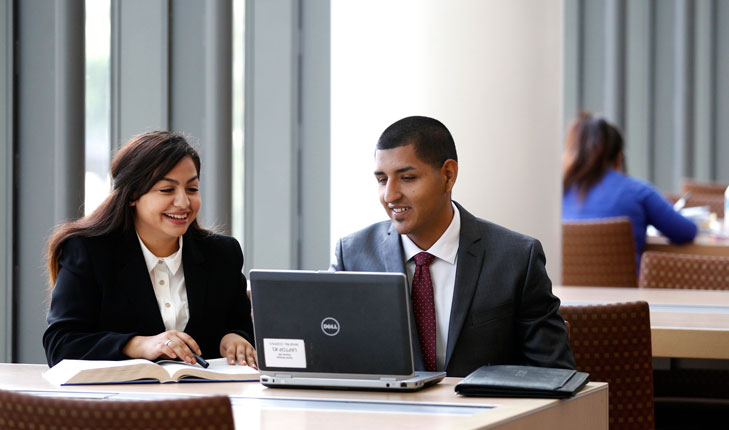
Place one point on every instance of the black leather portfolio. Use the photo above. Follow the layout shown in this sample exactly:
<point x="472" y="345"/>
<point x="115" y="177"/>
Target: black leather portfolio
<point x="522" y="381"/>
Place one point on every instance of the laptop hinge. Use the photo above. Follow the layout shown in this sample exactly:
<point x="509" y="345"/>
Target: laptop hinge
<point x="282" y="375"/>
<point x="387" y="379"/>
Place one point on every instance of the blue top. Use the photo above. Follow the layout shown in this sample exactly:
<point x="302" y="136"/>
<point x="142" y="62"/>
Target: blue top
<point x="620" y="195"/>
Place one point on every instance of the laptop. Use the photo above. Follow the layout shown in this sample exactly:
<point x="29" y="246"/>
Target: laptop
<point x="341" y="330"/>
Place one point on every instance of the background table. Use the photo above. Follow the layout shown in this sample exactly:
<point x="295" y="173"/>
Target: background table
<point x="703" y="244"/>
<point x="684" y="323"/>
<point x="438" y="407"/>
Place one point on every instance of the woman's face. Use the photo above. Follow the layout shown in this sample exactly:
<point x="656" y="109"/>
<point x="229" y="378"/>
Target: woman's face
<point x="166" y="211"/>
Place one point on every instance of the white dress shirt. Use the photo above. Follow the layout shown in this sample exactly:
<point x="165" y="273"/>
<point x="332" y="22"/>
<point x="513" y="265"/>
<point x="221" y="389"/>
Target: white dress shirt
<point x="443" y="275"/>
<point x="168" y="280"/>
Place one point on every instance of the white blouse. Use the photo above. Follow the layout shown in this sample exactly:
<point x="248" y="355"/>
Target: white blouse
<point x="168" y="280"/>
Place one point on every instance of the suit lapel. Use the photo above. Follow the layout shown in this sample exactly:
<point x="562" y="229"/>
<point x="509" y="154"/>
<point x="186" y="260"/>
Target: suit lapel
<point x="470" y="259"/>
<point x="133" y="276"/>
<point x="391" y="253"/>
<point x="192" y="263"/>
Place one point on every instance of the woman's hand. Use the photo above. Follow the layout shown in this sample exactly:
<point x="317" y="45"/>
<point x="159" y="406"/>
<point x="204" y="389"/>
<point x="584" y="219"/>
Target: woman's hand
<point x="236" y="349"/>
<point x="169" y="344"/>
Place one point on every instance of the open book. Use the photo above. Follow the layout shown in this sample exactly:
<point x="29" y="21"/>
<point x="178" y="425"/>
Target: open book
<point x="72" y="372"/>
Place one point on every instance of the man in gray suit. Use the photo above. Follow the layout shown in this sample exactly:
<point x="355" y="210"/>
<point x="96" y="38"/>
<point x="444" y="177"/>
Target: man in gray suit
<point x="480" y="294"/>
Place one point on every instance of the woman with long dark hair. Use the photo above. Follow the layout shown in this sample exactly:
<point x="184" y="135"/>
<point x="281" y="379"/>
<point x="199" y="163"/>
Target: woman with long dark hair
<point x="595" y="185"/>
<point x="138" y="277"/>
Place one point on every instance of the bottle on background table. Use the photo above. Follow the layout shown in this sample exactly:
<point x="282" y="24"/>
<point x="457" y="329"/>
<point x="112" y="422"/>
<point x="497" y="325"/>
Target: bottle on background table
<point x="726" y="211"/>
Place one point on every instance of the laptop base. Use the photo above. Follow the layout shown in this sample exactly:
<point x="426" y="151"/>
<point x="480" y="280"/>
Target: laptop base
<point x="418" y="381"/>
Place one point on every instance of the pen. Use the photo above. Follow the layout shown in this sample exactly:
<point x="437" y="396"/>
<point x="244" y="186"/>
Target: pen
<point x="680" y="203"/>
<point x="201" y="361"/>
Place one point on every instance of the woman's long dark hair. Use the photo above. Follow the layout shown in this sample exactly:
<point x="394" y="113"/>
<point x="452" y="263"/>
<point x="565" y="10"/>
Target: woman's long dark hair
<point x="593" y="146"/>
<point x="138" y="165"/>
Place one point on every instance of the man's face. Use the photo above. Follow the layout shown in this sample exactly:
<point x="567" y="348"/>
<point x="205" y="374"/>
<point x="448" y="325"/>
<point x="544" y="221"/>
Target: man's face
<point x="415" y="194"/>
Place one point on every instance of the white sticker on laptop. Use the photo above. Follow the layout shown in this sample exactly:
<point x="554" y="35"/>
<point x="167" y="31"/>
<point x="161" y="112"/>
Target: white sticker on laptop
<point x="285" y="353"/>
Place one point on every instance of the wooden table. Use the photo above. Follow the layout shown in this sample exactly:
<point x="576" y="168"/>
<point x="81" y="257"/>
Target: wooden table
<point x="437" y="407"/>
<point x="703" y="244"/>
<point x="684" y="323"/>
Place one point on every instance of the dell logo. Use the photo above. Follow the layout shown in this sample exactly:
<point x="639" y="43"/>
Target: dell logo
<point x="330" y="326"/>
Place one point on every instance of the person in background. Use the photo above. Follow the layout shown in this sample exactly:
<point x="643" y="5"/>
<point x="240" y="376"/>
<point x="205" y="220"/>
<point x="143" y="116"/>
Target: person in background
<point x="595" y="185"/>
<point x="138" y="277"/>
<point x="480" y="292"/>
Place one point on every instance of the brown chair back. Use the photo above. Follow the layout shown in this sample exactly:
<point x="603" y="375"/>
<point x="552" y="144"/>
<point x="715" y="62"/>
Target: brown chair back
<point x="688" y="271"/>
<point x="25" y="411"/>
<point x="702" y="187"/>
<point x="715" y="202"/>
<point x="612" y="343"/>
<point x="599" y="253"/>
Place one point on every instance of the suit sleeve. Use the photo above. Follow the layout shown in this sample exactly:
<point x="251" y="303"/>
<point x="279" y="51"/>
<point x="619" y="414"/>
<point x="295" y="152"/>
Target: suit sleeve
<point x="338" y="265"/>
<point x="73" y="317"/>
<point x="544" y="335"/>
<point x="238" y="314"/>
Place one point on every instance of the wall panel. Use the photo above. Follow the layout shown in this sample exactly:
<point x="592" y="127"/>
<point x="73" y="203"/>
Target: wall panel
<point x="676" y="84"/>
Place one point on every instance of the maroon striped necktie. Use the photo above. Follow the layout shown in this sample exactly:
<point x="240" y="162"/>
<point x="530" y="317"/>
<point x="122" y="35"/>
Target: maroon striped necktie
<point x="424" y="307"/>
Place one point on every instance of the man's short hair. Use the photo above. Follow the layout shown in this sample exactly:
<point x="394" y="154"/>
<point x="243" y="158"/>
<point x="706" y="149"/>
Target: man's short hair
<point x="433" y="142"/>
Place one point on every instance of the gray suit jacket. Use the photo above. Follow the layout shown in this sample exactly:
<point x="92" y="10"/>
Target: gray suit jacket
<point x="503" y="309"/>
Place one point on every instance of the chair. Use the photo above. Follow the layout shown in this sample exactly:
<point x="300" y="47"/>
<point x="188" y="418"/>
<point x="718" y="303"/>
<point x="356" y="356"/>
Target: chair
<point x="715" y="202"/>
<point x="680" y="392"/>
<point x="702" y="187"/>
<point x="688" y="271"/>
<point x="599" y="252"/>
<point x="612" y="342"/>
<point x="25" y="411"/>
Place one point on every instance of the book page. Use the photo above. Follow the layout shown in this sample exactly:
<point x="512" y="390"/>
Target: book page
<point x="109" y="372"/>
<point x="219" y="370"/>
<point x="99" y="371"/>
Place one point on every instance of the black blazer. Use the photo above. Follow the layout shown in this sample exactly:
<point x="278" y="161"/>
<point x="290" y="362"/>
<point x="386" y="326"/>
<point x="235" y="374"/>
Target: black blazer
<point x="503" y="309"/>
<point x="104" y="296"/>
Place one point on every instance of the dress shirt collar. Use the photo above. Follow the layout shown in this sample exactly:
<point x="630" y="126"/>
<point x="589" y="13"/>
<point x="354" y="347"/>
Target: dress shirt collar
<point x="445" y="248"/>
<point x="173" y="261"/>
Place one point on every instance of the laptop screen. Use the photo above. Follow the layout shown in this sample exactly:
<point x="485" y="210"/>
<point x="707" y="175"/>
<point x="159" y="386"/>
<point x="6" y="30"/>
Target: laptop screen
<point x="332" y="322"/>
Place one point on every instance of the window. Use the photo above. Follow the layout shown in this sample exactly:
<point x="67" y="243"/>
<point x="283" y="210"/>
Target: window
<point x="238" y="114"/>
<point x="98" y="103"/>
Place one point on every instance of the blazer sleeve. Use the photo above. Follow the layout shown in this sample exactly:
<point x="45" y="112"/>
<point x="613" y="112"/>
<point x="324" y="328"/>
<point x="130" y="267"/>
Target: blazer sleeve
<point x="238" y="313"/>
<point x="541" y="328"/>
<point x="73" y="318"/>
